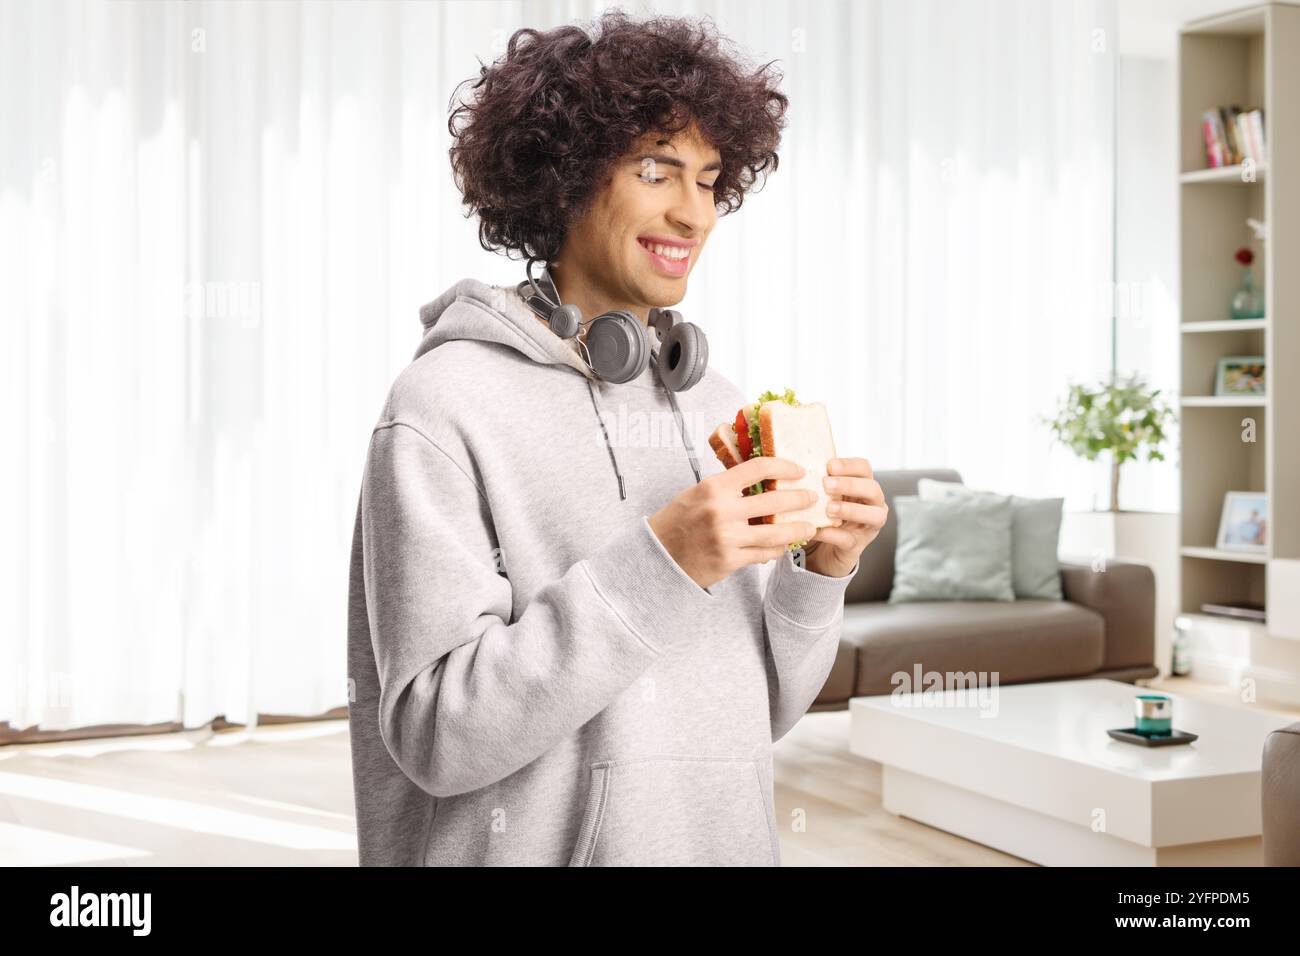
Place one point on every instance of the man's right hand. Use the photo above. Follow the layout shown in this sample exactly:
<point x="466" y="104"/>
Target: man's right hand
<point x="706" y="528"/>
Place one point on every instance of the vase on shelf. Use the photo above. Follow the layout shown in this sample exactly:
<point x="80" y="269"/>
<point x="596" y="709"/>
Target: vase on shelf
<point x="1248" y="300"/>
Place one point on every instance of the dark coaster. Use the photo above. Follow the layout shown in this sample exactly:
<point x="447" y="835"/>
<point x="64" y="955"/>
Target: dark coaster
<point x="1130" y="735"/>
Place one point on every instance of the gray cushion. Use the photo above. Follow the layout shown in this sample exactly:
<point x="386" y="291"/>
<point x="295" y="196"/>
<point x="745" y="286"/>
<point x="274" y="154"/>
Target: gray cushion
<point x="1035" y="537"/>
<point x="955" y="548"/>
<point x="876" y="566"/>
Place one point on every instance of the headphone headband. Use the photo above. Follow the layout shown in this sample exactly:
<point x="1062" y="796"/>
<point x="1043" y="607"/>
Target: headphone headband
<point x="553" y="298"/>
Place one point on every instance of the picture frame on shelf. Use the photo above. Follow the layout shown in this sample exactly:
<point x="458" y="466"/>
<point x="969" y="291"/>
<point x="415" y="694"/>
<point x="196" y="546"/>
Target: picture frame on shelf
<point x="1240" y="375"/>
<point x="1243" y="523"/>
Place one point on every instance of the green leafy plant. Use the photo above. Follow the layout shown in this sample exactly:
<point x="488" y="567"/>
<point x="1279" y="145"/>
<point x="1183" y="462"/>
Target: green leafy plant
<point x="1122" y="417"/>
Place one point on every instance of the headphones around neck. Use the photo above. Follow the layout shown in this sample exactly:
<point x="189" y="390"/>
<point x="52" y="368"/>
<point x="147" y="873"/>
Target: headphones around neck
<point x="617" y="348"/>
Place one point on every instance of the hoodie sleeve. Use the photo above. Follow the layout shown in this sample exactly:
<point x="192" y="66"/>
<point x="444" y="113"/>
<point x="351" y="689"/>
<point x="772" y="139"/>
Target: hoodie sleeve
<point x="802" y="614"/>
<point x="467" y="696"/>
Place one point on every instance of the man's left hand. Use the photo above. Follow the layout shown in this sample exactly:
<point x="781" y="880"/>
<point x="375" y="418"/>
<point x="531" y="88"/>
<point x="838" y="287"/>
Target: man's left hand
<point x="834" y="551"/>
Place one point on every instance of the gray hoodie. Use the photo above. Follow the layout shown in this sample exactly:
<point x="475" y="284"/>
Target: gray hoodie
<point x="533" y="680"/>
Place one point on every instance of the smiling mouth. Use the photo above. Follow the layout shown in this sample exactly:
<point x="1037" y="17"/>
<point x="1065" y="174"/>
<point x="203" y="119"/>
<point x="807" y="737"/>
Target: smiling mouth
<point x="669" y="259"/>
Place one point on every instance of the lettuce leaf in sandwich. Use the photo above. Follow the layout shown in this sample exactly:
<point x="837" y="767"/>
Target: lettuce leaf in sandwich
<point x="755" y="436"/>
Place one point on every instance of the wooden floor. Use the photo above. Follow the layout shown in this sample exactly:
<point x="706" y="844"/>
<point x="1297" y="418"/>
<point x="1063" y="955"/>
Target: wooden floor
<point x="844" y="823"/>
<point x="282" y="795"/>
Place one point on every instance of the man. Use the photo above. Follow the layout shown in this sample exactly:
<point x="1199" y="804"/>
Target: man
<point x="566" y="649"/>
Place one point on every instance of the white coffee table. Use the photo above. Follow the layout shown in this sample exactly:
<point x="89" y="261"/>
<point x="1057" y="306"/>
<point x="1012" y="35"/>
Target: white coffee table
<point x="1028" y="769"/>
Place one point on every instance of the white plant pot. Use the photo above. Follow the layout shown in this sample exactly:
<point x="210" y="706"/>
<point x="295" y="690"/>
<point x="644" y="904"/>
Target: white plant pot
<point x="1147" y="537"/>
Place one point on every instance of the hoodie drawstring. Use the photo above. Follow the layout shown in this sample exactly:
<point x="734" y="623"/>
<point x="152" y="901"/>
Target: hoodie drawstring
<point x="686" y="438"/>
<point x="622" y="493"/>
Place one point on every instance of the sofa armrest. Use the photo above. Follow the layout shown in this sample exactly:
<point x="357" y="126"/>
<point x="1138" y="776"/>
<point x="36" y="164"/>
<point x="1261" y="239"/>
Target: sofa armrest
<point x="1124" y="594"/>
<point x="1280" y="795"/>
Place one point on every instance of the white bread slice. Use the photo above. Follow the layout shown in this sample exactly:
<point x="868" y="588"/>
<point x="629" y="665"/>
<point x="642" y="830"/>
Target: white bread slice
<point x="802" y="434"/>
<point x="724" y="445"/>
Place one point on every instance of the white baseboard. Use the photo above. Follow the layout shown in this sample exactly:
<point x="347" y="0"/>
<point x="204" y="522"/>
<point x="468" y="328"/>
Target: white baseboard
<point x="1227" y="671"/>
<point x="1272" y="684"/>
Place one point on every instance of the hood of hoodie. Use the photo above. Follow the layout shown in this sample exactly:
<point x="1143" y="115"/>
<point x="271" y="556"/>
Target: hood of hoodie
<point x="471" y="309"/>
<point x="477" y="311"/>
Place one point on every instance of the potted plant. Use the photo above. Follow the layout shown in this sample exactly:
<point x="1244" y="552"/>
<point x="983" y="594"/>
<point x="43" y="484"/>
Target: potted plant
<point x="1123" y="418"/>
<point x="1126" y="420"/>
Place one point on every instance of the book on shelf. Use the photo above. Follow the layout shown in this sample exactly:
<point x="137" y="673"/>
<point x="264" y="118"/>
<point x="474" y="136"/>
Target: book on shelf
<point x="1245" y="610"/>
<point x="1232" y="136"/>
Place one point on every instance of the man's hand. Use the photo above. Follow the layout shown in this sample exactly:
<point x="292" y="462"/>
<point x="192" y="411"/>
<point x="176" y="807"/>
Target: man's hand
<point x="834" y="551"/>
<point x="706" y="528"/>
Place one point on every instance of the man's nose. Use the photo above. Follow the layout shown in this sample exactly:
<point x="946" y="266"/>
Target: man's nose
<point x="692" y="208"/>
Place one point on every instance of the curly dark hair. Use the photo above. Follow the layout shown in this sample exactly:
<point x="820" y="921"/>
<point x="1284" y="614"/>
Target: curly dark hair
<point x="554" y="114"/>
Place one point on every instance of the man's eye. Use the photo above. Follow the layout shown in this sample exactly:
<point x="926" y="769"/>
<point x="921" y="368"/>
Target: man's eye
<point x="659" y="179"/>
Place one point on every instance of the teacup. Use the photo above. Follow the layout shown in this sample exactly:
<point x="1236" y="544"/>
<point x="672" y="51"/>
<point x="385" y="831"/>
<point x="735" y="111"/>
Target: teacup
<point x="1155" y="714"/>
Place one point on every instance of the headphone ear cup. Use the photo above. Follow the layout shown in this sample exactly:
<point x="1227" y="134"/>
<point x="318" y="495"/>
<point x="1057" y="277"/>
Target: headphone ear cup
<point x="616" y="342"/>
<point x="683" y="357"/>
<point x="565" y="321"/>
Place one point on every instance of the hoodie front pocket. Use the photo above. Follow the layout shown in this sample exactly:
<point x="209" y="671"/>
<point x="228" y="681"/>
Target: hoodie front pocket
<point x="673" y="810"/>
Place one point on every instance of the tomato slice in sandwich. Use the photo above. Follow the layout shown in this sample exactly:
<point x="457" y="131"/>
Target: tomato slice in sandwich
<point x="742" y="436"/>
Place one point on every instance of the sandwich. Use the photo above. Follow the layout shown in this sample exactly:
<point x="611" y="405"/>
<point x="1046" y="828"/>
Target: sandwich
<point x="782" y="427"/>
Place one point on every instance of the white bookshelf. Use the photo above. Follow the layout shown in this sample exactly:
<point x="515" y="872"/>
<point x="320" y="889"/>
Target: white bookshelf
<point x="1228" y="325"/>
<point x="1224" y="174"/>
<point x="1218" y="554"/>
<point x="1249" y="58"/>
<point x="1224" y="401"/>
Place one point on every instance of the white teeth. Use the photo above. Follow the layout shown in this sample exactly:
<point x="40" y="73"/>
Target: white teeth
<point x="669" y="252"/>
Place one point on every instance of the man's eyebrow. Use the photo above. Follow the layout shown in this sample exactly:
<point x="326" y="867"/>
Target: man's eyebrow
<point x="674" y="161"/>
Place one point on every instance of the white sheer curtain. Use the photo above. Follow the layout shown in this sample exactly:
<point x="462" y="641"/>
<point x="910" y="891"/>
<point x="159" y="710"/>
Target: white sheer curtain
<point x="934" y="256"/>
<point x="217" y="222"/>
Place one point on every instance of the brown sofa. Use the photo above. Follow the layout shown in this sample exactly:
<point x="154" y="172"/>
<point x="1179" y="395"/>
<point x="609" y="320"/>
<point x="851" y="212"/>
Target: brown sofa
<point x="1105" y="627"/>
<point x="1280" y="797"/>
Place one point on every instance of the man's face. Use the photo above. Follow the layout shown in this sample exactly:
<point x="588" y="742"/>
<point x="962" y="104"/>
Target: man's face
<point x="643" y="234"/>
